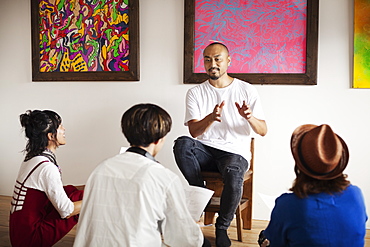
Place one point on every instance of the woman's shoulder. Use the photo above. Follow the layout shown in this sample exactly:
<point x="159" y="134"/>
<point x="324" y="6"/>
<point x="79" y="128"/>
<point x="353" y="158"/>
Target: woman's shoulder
<point x="38" y="171"/>
<point x="352" y="187"/>
<point x="40" y="166"/>
<point x="353" y="190"/>
<point x="35" y="160"/>
<point x="287" y="199"/>
<point x="29" y="165"/>
<point x="287" y="204"/>
<point x="286" y="196"/>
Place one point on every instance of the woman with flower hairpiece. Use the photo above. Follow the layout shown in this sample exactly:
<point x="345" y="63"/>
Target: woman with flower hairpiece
<point x="325" y="209"/>
<point x="42" y="210"/>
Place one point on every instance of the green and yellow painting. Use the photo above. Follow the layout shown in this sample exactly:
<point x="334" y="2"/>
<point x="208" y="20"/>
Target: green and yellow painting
<point x="361" y="63"/>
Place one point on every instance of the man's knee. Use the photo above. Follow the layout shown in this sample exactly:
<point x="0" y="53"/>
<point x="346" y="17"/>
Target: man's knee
<point x="234" y="172"/>
<point x="234" y="175"/>
<point x="236" y="164"/>
<point x="182" y="142"/>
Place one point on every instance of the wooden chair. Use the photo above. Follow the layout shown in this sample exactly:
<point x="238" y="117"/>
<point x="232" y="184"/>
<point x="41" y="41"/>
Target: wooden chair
<point x="244" y="211"/>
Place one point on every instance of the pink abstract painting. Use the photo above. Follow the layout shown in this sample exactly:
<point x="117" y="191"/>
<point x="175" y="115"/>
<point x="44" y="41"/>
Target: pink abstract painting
<point x="263" y="36"/>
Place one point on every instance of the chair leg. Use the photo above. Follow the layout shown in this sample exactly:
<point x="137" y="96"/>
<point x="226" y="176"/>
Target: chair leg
<point x="246" y="215"/>
<point x="247" y="212"/>
<point x="208" y="218"/>
<point x="239" y="224"/>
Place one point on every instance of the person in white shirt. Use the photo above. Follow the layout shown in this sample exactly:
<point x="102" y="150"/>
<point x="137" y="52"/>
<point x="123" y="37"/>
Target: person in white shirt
<point x="221" y="113"/>
<point x="42" y="210"/>
<point x="131" y="199"/>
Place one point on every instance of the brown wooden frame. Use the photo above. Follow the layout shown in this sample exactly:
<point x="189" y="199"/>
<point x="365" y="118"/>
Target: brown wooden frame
<point x="134" y="66"/>
<point x="308" y="78"/>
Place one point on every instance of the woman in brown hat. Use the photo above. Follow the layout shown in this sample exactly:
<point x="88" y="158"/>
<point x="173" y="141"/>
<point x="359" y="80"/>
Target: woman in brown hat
<point x="324" y="208"/>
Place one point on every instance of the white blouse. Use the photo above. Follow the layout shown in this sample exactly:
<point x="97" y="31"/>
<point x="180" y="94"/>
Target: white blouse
<point x="45" y="178"/>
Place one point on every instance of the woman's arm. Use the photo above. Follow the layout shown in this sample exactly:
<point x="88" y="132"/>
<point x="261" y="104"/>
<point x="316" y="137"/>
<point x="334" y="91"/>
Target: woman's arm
<point x="51" y="183"/>
<point x="76" y="210"/>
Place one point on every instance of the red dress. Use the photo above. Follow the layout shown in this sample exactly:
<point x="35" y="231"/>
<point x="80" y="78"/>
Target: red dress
<point x="38" y="223"/>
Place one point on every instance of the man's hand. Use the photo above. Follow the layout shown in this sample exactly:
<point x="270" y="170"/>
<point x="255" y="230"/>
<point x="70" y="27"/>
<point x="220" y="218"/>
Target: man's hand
<point x="244" y="110"/>
<point x="216" y="114"/>
<point x="198" y="127"/>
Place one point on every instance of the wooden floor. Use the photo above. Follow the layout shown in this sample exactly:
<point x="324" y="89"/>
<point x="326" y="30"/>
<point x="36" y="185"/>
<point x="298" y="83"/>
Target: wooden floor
<point x="250" y="236"/>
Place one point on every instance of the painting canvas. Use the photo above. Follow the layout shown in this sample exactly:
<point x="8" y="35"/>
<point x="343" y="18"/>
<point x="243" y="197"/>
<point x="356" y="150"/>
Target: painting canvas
<point x="263" y="36"/>
<point x="270" y="42"/>
<point x="361" y="64"/>
<point x="84" y="40"/>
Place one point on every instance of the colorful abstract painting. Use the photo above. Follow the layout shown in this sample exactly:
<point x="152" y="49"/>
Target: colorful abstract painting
<point x="84" y="35"/>
<point x="262" y="36"/>
<point x="361" y="64"/>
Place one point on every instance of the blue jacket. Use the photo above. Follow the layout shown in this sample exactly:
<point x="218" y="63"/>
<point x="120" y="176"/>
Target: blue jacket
<point x="319" y="220"/>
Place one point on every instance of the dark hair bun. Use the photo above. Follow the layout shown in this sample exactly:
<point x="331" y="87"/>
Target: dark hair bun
<point x="25" y="118"/>
<point x="37" y="122"/>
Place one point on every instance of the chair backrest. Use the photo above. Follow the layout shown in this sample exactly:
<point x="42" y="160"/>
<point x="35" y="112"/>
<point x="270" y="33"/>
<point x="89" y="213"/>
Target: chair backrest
<point x="251" y="162"/>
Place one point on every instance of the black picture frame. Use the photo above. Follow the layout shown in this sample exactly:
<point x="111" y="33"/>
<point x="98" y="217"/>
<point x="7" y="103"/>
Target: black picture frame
<point x="307" y="78"/>
<point x="133" y="73"/>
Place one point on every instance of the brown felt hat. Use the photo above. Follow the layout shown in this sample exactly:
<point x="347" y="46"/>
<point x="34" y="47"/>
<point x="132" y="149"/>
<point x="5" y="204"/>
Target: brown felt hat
<point x="318" y="151"/>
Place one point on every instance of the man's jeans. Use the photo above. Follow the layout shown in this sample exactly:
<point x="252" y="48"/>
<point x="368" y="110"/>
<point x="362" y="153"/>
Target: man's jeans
<point x="192" y="157"/>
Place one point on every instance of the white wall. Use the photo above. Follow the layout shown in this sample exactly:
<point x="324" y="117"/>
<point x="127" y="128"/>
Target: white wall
<point x="91" y="111"/>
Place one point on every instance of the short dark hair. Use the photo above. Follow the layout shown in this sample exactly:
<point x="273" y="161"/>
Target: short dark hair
<point x="144" y="124"/>
<point x="37" y="125"/>
<point x="217" y="43"/>
<point x="305" y="185"/>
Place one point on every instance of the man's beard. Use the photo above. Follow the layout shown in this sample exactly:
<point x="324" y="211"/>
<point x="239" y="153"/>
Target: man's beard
<point x="214" y="76"/>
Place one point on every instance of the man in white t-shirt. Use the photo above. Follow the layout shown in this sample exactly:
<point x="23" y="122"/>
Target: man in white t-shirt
<point x="221" y="113"/>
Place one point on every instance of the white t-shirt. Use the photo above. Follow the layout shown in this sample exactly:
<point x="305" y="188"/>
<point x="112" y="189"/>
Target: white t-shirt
<point x="45" y="178"/>
<point x="233" y="133"/>
<point x="130" y="200"/>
